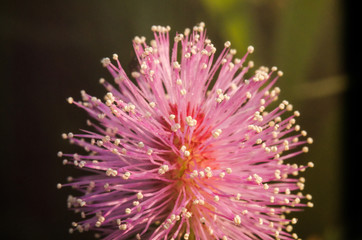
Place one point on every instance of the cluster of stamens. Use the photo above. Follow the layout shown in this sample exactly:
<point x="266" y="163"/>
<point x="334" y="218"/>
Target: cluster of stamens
<point x="177" y="156"/>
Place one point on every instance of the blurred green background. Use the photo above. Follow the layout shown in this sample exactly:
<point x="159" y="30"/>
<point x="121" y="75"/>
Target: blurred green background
<point x="52" y="50"/>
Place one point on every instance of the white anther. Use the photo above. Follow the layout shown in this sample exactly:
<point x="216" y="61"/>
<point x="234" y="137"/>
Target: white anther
<point x="105" y="62"/>
<point x="149" y="151"/>
<point x="139" y="196"/>
<point x="118" y="221"/>
<point x="258" y="179"/>
<point x="305" y="149"/>
<point x="176" y="65"/>
<point x="123" y="151"/>
<point x="195" y="173"/>
<point x="101" y="219"/>
<point x="111" y="172"/>
<point x="144" y="66"/>
<point x="190" y="121"/>
<point x="135" y="74"/>
<point x="250" y="49"/>
<point x="101" y="81"/>
<point x="117" y="141"/>
<point x="126" y="175"/>
<point x="248" y="95"/>
<point x="227" y="44"/>
<point x="274" y="148"/>
<point x="115" y="151"/>
<point x="163" y="169"/>
<point x="175" y="127"/>
<point x="123" y="226"/>
<point x="127" y="210"/>
<point x="140" y="144"/>
<point x="152" y="104"/>
<point x="237" y="220"/>
<point x="183" y="148"/>
<point x="308" y="196"/>
<point x="64" y="136"/>
<point x="217" y="133"/>
<point x="183" y="91"/>
<point x="98" y="224"/>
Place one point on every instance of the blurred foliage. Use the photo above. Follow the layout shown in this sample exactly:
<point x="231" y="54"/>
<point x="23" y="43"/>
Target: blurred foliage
<point x="294" y="35"/>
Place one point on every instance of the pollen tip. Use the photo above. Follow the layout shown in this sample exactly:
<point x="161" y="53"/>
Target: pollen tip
<point x="250" y="49"/>
<point x="105" y="61"/>
<point x="70" y="100"/>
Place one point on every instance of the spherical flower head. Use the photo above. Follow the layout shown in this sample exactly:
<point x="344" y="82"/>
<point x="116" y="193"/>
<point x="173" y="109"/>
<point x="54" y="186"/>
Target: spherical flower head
<point x="187" y="147"/>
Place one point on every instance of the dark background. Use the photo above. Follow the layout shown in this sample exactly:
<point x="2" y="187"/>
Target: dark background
<point x="51" y="50"/>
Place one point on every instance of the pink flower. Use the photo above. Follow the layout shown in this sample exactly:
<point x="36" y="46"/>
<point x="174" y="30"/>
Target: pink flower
<point x="188" y="149"/>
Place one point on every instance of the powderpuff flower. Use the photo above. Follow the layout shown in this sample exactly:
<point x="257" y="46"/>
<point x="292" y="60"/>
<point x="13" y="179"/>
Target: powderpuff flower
<point x="192" y="147"/>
